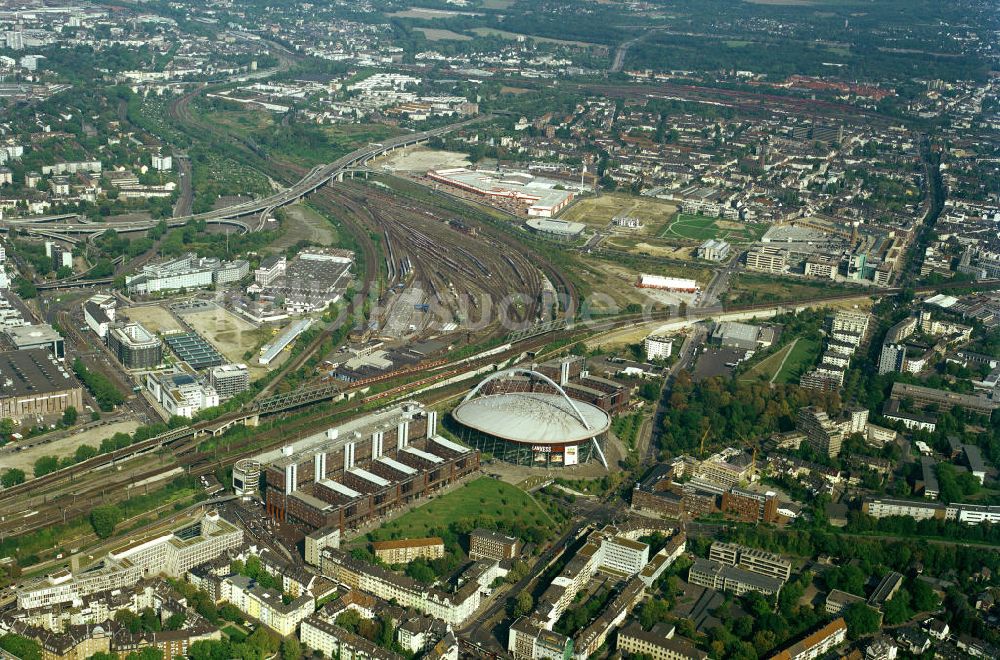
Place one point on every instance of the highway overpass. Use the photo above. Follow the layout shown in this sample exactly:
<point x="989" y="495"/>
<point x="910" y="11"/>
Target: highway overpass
<point x="247" y="216"/>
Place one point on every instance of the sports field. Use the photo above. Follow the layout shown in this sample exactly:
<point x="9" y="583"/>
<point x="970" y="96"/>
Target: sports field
<point x="702" y="228"/>
<point x="482" y="497"/>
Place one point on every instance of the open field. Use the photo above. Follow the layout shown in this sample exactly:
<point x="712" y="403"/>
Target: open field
<point x="154" y="318"/>
<point x="231" y="335"/>
<point x="435" y="34"/>
<point x="598" y="212"/>
<point x="482" y="497"/>
<point x="303" y="223"/>
<point x="645" y="245"/>
<point x="492" y="32"/>
<point x="497" y="4"/>
<point x="424" y="13"/>
<point x="751" y="288"/>
<point x="25" y="460"/>
<point x="702" y="228"/>
<point x="802" y="356"/>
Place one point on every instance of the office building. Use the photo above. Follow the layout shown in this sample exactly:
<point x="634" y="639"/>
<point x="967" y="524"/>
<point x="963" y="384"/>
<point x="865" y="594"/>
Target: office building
<point x="36" y="385"/>
<point x="767" y="259"/>
<point x="61" y="256"/>
<point x="135" y="346"/>
<point x="821" y="266"/>
<point x="724" y="577"/>
<point x="229" y="380"/>
<point x="180" y="394"/>
<point x="359" y="471"/>
<point x="713" y="249"/>
<point x="751" y="559"/>
<point x="185" y="272"/>
<point x="172" y="554"/>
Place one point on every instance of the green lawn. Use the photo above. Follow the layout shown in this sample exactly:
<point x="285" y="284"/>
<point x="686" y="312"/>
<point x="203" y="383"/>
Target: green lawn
<point x="482" y="497"/>
<point x="693" y="227"/>
<point x="702" y="228"/>
<point x="802" y="357"/>
<point x="768" y="366"/>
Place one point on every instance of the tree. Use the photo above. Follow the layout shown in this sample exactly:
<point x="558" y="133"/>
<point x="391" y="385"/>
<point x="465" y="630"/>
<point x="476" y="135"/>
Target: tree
<point x="924" y="598"/>
<point x="897" y="609"/>
<point x="861" y="620"/>
<point x="12" y="477"/>
<point x="20" y="646"/>
<point x="291" y="649"/>
<point x="83" y="452"/>
<point x="6" y="426"/>
<point x="69" y="416"/>
<point x="104" y="519"/>
<point x="175" y="621"/>
<point x="523" y="603"/>
<point x="46" y="464"/>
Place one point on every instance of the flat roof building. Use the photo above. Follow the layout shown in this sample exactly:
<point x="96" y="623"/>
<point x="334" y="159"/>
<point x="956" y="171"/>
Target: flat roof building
<point x="37" y="336"/>
<point x="34" y="384"/>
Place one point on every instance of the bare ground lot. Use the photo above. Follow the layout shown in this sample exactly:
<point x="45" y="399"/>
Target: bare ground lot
<point x="231" y="335"/>
<point x="303" y="223"/>
<point x="598" y="212"/>
<point x="154" y="318"/>
<point x="25" y="460"/>
<point x="421" y="159"/>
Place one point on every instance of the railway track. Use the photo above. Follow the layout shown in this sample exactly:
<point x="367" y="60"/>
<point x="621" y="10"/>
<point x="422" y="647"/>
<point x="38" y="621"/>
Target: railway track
<point x="185" y="441"/>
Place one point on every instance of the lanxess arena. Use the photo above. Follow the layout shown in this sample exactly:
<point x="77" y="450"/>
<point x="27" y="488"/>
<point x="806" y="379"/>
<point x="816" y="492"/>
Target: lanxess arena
<point x="524" y="417"/>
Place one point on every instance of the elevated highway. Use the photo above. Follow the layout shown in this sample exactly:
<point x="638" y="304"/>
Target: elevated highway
<point x="247" y="216"/>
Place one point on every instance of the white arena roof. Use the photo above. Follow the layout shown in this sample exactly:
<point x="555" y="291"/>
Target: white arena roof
<point x="533" y="418"/>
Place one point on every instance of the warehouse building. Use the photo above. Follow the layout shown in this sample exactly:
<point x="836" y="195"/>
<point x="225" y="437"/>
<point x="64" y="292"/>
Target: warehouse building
<point x="544" y="198"/>
<point x="34" y="385"/>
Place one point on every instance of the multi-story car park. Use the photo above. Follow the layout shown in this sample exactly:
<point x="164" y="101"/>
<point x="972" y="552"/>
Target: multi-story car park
<point x="360" y="470"/>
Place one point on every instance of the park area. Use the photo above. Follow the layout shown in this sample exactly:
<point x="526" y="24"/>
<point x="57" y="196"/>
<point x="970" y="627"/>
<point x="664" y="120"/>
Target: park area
<point x="598" y="211"/>
<point x="701" y="228"/>
<point x="476" y="500"/>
